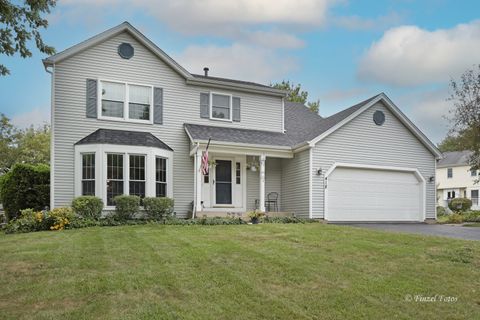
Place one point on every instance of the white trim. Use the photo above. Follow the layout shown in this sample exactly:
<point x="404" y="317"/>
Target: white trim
<point x="101" y="151"/>
<point x="415" y="171"/>
<point x="229" y="102"/>
<point x="310" y="184"/>
<point x="52" y="139"/>
<point x="126" y="102"/>
<point x="263" y="159"/>
<point x="396" y="111"/>
<point x="232" y="187"/>
<point x="283" y="115"/>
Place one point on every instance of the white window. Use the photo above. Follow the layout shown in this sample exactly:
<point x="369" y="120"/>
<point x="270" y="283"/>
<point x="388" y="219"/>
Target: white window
<point x="221" y="107"/>
<point x="88" y="174"/>
<point x="449" y="173"/>
<point x="115" y="180"/>
<point x="160" y="177"/>
<point x="137" y="176"/>
<point x="125" y="101"/>
<point x="107" y="171"/>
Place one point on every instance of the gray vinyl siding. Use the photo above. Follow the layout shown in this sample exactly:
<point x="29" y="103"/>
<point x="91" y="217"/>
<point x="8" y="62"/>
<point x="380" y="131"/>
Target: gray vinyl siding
<point x="181" y="103"/>
<point x="295" y="184"/>
<point x="362" y="142"/>
<point x="273" y="182"/>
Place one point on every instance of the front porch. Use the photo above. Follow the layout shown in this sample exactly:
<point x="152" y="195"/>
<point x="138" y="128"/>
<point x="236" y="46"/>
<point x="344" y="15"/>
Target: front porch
<point x="239" y="180"/>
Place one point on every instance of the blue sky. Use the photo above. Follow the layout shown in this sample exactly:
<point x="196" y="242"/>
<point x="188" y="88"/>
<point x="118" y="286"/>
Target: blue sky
<point x="340" y="51"/>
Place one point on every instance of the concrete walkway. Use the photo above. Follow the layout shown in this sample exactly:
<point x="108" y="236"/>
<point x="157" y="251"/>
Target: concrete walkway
<point x="450" y="231"/>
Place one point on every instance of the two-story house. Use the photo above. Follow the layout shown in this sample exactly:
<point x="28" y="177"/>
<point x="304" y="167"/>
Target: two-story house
<point x="456" y="180"/>
<point x="128" y="119"/>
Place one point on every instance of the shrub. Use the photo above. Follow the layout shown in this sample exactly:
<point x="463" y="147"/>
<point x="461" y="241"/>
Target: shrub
<point x="158" y="208"/>
<point x="286" y="220"/>
<point x="471" y="216"/>
<point x="58" y="218"/>
<point x="455" y="218"/>
<point x="88" y="207"/>
<point x="460" y="204"/>
<point x="25" y="186"/>
<point x="126" y="207"/>
<point x="441" y="211"/>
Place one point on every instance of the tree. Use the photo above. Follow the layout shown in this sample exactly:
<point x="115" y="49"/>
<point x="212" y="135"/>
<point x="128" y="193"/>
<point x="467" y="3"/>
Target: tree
<point x="31" y="145"/>
<point x="457" y="142"/>
<point x="296" y="94"/>
<point x="19" y="23"/>
<point x="465" y="116"/>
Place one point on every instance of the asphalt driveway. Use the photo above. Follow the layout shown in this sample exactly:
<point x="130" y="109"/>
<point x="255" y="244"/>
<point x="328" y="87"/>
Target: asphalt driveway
<point x="450" y="231"/>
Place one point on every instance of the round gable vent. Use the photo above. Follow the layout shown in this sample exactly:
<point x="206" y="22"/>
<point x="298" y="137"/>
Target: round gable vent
<point x="125" y="50"/>
<point x="378" y="117"/>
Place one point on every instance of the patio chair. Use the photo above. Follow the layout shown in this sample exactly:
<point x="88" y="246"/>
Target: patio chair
<point x="272" y="200"/>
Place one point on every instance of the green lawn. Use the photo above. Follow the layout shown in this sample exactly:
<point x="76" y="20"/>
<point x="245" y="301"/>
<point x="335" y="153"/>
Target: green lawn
<point x="310" y="271"/>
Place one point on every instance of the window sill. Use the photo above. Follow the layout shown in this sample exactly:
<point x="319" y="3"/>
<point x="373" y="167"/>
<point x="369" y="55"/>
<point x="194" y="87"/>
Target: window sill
<point x="219" y="119"/>
<point x="125" y="120"/>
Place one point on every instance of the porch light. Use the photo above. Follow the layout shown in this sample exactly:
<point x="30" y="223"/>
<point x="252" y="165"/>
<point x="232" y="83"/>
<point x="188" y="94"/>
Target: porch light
<point x="431" y="179"/>
<point x="319" y="172"/>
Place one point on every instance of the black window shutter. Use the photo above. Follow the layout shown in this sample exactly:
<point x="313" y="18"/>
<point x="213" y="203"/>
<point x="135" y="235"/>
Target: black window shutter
<point x="158" y="105"/>
<point x="236" y="109"/>
<point x="204" y="105"/>
<point x="91" y="110"/>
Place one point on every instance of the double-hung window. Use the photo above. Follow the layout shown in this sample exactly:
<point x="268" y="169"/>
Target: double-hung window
<point x="449" y="173"/>
<point x="221" y="107"/>
<point x="160" y="177"/>
<point x="124" y="101"/>
<point x="88" y="174"/>
<point x="114" y="177"/>
<point x="473" y="173"/>
<point x="137" y="176"/>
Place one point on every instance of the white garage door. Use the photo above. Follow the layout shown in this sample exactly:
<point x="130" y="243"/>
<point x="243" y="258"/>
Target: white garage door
<point x="355" y="194"/>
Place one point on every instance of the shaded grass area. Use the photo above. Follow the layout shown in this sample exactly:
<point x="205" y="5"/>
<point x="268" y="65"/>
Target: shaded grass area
<point x="310" y="271"/>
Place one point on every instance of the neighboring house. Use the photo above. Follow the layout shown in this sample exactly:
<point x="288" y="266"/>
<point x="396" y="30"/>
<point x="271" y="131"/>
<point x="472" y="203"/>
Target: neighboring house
<point x="127" y="119"/>
<point x="456" y="180"/>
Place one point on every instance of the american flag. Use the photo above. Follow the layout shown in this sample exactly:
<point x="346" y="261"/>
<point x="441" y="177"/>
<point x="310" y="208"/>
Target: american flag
<point x="204" y="167"/>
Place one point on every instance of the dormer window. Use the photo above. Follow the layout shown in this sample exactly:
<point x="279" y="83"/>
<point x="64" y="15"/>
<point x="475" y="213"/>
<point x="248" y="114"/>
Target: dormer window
<point x="221" y="107"/>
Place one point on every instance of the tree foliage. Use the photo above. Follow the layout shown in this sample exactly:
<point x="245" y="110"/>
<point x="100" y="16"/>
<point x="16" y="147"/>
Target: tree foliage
<point x="30" y="145"/>
<point x="457" y="141"/>
<point x="465" y="116"/>
<point x="19" y="23"/>
<point x="296" y="94"/>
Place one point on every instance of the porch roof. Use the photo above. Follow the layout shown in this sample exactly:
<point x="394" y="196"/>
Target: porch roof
<point x="198" y="133"/>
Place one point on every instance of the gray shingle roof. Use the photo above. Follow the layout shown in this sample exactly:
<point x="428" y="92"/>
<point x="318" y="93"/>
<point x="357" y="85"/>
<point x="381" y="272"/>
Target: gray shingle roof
<point x="301" y="125"/>
<point x="231" y="80"/>
<point x="224" y="134"/>
<point x="304" y="125"/>
<point x="121" y="137"/>
<point x="454" y="158"/>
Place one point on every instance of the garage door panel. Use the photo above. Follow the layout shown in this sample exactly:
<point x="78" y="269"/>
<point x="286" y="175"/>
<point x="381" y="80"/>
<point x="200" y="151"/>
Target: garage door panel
<point x="373" y="195"/>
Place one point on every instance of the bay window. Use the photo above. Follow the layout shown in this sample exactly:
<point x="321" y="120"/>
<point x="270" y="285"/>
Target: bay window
<point x="125" y="101"/>
<point x="107" y="171"/>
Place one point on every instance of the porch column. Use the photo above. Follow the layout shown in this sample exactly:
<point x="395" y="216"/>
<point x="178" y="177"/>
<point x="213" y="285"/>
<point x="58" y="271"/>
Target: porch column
<point x="262" y="183"/>
<point x="198" y="182"/>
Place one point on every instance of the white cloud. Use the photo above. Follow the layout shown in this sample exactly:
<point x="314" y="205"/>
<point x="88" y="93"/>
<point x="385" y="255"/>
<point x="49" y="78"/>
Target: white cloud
<point x="274" y="39"/>
<point x="359" y="23"/>
<point x="237" y="61"/>
<point x="428" y="110"/>
<point x="200" y="16"/>
<point x="36" y="117"/>
<point x="409" y="55"/>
